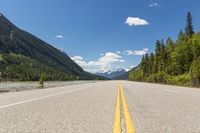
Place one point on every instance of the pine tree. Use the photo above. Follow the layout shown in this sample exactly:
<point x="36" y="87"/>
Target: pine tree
<point x="169" y="45"/>
<point x="181" y="37"/>
<point x="189" y="26"/>
<point x="158" y="47"/>
<point x="163" y="58"/>
<point x="151" y="62"/>
<point x="169" y="49"/>
<point x="146" y="64"/>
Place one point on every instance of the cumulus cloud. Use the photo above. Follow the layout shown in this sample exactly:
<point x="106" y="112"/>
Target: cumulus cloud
<point x="146" y="49"/>
<point x="136" y="52"/>
<point x="104" y="63"/>
<point x="118" y="52"/>
<point x="77" y="58"/>
<point x="59" y="36"/>
<point x="154" y="5"/>
<point x="136" y="21"/>
<point x="128" y="52"/>
<point x="140" y="52"/>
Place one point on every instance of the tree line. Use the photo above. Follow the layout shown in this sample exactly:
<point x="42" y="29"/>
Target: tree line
<point x="16" y="67"/>
<point x="173" y="62"/>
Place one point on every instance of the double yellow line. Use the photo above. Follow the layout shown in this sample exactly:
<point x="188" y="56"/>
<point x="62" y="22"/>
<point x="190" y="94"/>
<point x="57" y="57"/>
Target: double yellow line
<point x="127" y="116"/>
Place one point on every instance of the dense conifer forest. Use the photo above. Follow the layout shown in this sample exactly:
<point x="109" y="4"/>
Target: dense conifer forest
<point x="173" y="62"/>
<point x="15" y="67"/>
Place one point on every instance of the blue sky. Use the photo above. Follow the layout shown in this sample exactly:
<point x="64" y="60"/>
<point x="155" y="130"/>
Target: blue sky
<point x="102" y="34"/>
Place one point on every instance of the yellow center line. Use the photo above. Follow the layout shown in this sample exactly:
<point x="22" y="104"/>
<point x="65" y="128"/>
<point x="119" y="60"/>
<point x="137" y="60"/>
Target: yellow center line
<point x="127" y="116"/>
<point x="117" y="124"/>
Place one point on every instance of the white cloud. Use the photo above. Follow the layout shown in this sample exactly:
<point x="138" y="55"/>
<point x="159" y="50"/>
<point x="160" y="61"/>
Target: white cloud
<point x="146" y="49"/>
<point x="77" y="58"/>
<point x="59" y="36"/>
<point x="118" y="52"/>
<point x="129" y="52"/>
<point x="140" y="52"/>
<point x="154" y="5"/>
<point x="104" y="63"/>
<point x="136" y="21"/>
<point x="136" y="52"/>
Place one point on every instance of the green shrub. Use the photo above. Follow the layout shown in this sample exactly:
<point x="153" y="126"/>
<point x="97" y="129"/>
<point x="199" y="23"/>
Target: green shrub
<point x="42" y="79"/>
<point x="183" y="80"/>
<point x="159" y="77"/>
<point x="136" y="75"/>
<point x="195" y="73"/>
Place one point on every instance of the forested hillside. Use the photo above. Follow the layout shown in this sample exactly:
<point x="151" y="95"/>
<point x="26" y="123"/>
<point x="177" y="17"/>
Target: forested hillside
<point x="21" y="68"/>
<point x="174" y="62"/>
<point x="23" y="57"/>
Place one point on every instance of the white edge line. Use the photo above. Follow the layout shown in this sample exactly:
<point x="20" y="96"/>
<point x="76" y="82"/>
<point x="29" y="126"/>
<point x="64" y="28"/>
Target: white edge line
<point x="39" y="98"/>
<point x="171" y="91"/>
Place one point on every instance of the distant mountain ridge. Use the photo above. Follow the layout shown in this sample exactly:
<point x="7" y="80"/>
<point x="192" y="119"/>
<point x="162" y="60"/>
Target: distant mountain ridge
<point x="125" y="76"/>
<point x="111" y="73"/>
<point x="17" y="42"/>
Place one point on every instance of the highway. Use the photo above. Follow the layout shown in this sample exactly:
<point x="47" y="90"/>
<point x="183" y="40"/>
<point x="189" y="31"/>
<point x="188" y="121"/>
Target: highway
<point x="102" y="107"/>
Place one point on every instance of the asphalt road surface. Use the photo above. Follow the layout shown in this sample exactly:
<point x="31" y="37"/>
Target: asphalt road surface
<point x="91" y="108"/>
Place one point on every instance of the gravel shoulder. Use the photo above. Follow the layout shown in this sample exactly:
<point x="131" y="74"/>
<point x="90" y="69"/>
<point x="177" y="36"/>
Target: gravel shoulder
<point x="22" y="86"/>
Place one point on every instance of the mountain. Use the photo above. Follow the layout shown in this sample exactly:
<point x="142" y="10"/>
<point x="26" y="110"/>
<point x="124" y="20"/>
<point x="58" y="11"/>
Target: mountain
<point x="22" y="53"/>
<point x="111" y="73"/>
<point x="125" y="76"/>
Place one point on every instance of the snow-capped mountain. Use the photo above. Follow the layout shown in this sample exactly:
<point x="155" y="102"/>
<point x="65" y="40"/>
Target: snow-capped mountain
<point x="111" y="73"/>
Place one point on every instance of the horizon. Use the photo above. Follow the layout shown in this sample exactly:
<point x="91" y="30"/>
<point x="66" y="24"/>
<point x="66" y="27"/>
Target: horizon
<point x="102" y="40"/>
